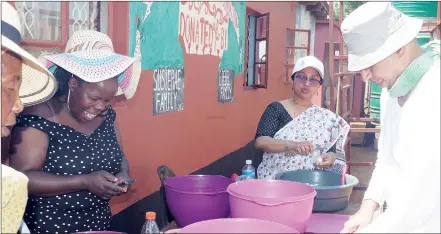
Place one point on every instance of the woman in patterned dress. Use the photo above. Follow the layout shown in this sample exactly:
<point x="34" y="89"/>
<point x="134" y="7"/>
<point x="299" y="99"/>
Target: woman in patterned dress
<point x="69" y="147"/>
<point x="297" y="135"/>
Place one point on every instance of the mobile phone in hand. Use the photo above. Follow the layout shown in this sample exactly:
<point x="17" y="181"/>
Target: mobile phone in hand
<point x="127" y="182"/>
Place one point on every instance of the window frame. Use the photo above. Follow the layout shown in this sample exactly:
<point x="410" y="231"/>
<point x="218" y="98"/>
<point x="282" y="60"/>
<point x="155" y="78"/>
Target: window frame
<point x="248" y="81"/>
<point x="64" y="17"/>
<point x="294" y="48"/>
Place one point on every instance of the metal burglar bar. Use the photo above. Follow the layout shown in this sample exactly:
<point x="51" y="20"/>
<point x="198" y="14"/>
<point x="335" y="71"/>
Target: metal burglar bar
<point x="47" y="25"/>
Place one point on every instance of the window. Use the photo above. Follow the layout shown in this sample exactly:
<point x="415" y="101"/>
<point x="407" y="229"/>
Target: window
<point x="297" y="46"/>
<point x="46" y="26"/>
<point x="256" y="63"/>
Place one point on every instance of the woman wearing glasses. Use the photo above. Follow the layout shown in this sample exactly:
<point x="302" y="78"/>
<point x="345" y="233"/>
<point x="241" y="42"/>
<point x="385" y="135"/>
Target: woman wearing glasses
<point x="297" y="135"/>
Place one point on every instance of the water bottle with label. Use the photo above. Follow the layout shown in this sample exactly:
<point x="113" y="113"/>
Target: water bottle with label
<point x="248" y="170"/>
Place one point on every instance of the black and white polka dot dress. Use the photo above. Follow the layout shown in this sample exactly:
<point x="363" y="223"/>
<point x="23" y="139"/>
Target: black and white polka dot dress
<point x="73" y="153"/>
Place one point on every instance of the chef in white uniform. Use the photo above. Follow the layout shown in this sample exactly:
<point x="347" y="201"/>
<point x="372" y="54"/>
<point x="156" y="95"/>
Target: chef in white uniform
<point x="382" y="45"/>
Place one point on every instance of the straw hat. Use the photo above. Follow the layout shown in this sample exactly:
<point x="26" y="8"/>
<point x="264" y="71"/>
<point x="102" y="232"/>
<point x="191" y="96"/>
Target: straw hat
<point x="38" y="84"/>
<point x="90" y="56"/>
<point x="374" y="31"/>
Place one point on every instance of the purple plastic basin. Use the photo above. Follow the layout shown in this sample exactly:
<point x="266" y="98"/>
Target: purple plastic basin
<point x="284" y="202"/>
<point x="196" y="198"/>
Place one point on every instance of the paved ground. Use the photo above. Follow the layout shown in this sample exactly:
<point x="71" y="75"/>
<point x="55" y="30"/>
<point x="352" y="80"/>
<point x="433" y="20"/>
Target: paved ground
<point x="362" y="154"/>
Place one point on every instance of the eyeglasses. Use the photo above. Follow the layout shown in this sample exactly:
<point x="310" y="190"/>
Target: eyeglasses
<point x="312" y="82"/>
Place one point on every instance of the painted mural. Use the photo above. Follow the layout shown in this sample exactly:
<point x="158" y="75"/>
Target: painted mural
<point x="206" y="28"/>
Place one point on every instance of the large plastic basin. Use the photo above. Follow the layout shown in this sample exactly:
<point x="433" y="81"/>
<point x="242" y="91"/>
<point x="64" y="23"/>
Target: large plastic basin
<point x="286" y="202"/>
<point x="235" y="226"/>
<point x="195" y="198"/>
<point x="332" y="195"/>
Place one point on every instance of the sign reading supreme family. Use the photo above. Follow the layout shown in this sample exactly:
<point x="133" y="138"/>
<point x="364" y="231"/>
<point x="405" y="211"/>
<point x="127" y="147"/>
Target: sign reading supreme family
<point x="225" y="86"/>
<point x="168" y="90"/>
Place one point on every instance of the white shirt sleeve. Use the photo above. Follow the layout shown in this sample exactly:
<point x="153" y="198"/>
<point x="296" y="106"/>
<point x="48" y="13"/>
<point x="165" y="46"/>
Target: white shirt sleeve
<point x="416" y="204"/>
<point x="420" y="190"/>
<point x="375" y="189"/>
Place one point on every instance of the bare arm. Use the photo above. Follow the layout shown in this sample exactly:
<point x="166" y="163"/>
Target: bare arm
<point x="271" y="145"/>
<point x="268" y="126"/>
<point x="28" y="153"/>
<point x="124" y="163"/>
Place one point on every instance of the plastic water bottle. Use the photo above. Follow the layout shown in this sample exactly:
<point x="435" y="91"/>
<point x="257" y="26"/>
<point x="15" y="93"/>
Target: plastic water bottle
<point x="248" y="170"/>
<point x="150" y="225"/>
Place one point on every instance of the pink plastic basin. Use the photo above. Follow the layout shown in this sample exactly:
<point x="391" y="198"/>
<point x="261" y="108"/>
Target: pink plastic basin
<point x="235" y="226"/>
<point x="326" y="223"/>
<point x="286" y="202"/>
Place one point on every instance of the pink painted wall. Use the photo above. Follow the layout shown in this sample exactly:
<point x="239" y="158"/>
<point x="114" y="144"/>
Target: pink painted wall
<point x="321" y="38"/>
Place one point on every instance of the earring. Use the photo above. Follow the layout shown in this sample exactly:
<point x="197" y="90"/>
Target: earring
<point x="68" y="100"/>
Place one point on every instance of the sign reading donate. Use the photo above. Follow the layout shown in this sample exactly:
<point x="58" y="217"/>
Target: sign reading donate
<point x="225" y="88"/>
<point x="168" y="90"/>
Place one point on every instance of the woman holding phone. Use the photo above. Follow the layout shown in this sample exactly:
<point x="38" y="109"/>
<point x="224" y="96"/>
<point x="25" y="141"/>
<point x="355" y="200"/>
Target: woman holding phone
<point x="70" y="147"/>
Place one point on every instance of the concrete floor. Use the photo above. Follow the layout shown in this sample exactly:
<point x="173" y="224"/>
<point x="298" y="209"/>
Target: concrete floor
<point x="363" y="173"/>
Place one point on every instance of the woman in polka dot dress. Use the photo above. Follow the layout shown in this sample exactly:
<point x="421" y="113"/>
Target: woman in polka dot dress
<point x="297" y="135"/>
<point x="69" y="147"/>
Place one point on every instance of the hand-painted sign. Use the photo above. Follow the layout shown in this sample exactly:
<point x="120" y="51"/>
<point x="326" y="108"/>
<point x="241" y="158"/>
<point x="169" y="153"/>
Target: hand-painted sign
<point x="225" y="88"/>
<point x="204" y="26"/>
<point x="168" y="90"/>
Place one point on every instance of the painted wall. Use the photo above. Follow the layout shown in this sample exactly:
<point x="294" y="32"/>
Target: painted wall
<point x="202" y="42"/>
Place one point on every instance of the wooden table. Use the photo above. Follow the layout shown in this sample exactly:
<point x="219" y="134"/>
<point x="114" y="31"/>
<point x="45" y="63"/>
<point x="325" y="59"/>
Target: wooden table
<point x="350" y="210"/>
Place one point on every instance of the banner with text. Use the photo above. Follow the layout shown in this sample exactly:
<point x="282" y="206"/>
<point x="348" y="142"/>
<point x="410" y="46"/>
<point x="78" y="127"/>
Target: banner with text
<point x="204" y="26"/>
<point x="168" y="90"/>
<point x="225" y="87"/>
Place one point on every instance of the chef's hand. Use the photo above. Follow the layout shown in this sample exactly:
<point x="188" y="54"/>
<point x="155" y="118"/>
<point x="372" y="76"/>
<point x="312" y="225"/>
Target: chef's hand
<point x="362" y="218"/>
<point x="302" y="147"/>
<point x="325" y="160"/>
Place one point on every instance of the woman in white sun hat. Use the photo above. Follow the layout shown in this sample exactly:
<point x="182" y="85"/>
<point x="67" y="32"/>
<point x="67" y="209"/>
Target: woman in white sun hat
<point x="297" y="135"/>
<point x="382" y="45"/>
<point x="70" y="147"/>
<point x="25" y="82"/>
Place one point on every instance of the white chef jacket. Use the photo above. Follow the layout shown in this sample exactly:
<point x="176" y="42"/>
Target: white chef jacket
<point x="407" y="171"/>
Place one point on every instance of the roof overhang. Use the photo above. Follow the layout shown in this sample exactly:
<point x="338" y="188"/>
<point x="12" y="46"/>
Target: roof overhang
<point x="319" y="10"/>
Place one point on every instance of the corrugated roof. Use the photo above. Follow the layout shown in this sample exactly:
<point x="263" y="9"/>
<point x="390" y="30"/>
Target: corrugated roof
<point x="418" y="9"/>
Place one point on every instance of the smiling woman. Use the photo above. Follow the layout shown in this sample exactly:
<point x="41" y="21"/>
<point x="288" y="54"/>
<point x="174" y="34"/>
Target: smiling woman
<point x="69" y="147"/>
